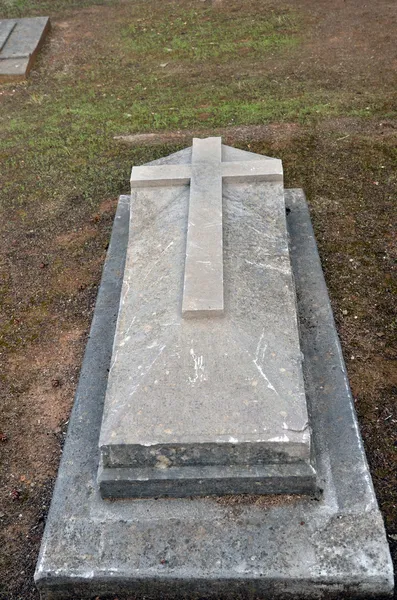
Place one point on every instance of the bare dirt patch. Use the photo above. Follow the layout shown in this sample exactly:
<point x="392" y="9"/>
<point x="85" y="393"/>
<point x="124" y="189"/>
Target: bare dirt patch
<point x="264" y="502"/>
<point x="238" y="135"/>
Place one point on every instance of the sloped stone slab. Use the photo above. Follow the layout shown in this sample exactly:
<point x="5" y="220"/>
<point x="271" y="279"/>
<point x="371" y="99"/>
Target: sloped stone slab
<point x="333" y="546"/>
<point x="206" y="391"/>
<point x="6" y="27"/>
<point x="20" y="46"/>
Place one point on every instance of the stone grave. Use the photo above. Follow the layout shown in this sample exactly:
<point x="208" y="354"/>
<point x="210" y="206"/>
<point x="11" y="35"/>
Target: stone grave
<point x="213" y="376"/>
<point x="20" y="41"/>
<point x="205" y="391"/>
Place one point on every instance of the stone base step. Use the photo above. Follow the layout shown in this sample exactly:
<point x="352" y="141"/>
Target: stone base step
<point x="181" y="482"/>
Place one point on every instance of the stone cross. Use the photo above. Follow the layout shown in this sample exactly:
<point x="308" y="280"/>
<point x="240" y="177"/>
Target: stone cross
<point x="203" y="279"/>
<point x="217" y="401"/>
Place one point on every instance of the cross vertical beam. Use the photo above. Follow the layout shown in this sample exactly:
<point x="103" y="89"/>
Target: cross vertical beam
<point x="203" y="282"/>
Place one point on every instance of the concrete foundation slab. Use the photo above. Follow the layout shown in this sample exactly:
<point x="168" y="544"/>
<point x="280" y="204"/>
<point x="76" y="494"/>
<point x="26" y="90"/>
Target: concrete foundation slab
<point x="331" y="546"/>
<point x="20" y="41"/>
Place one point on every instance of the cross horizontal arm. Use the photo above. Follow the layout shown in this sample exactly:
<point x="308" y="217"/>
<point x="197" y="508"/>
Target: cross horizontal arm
<point x="258" y="170"/>
<point x="160" y="175"/>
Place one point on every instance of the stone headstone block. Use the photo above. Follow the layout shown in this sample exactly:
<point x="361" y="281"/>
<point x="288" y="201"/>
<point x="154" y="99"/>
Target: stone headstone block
<point x="225" y="389"/>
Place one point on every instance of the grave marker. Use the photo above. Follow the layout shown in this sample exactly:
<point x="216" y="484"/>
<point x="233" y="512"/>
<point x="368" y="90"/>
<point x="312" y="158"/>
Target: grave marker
<point x="203" y="281"/>
<point x="201" y="406"/>
<point x="330" y="545"/>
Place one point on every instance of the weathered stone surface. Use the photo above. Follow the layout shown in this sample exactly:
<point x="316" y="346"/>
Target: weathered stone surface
<point x="214" y="391"/>
<point x="333" y="547"/>
<point x="19" y="49"/>
<point x="14" y="69"/>
<point x="179" y="482"/>
<point x="6" y="28"/>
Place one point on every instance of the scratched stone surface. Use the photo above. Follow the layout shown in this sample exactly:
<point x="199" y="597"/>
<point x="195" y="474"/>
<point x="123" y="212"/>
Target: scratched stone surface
<point x="225" y="390"/>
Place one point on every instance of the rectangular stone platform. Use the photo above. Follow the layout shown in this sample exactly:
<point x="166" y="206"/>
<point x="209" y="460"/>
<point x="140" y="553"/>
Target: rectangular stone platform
<point x="20" y="41"/>
<point x="329" y="546"/>
<point x="214" y="403"/>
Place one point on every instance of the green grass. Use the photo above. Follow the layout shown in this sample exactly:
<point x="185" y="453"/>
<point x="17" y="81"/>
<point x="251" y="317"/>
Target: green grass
<point x="30" y="8"/>
<point x="197" y="36"/>
<point x="153" y="67"/>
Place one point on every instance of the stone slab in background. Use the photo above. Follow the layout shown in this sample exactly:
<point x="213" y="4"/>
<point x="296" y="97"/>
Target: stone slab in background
<point x="6" y="27"/>
<point x="330" y="547"/>
<point x="20" y="41"/>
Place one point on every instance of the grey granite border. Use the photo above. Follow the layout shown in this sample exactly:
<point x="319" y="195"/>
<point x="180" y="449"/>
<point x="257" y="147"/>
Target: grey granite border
<point x="330" y="547"/>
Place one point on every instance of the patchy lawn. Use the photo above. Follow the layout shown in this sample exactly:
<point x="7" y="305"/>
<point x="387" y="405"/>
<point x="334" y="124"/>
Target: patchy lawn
<point x="313" y="86"/>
